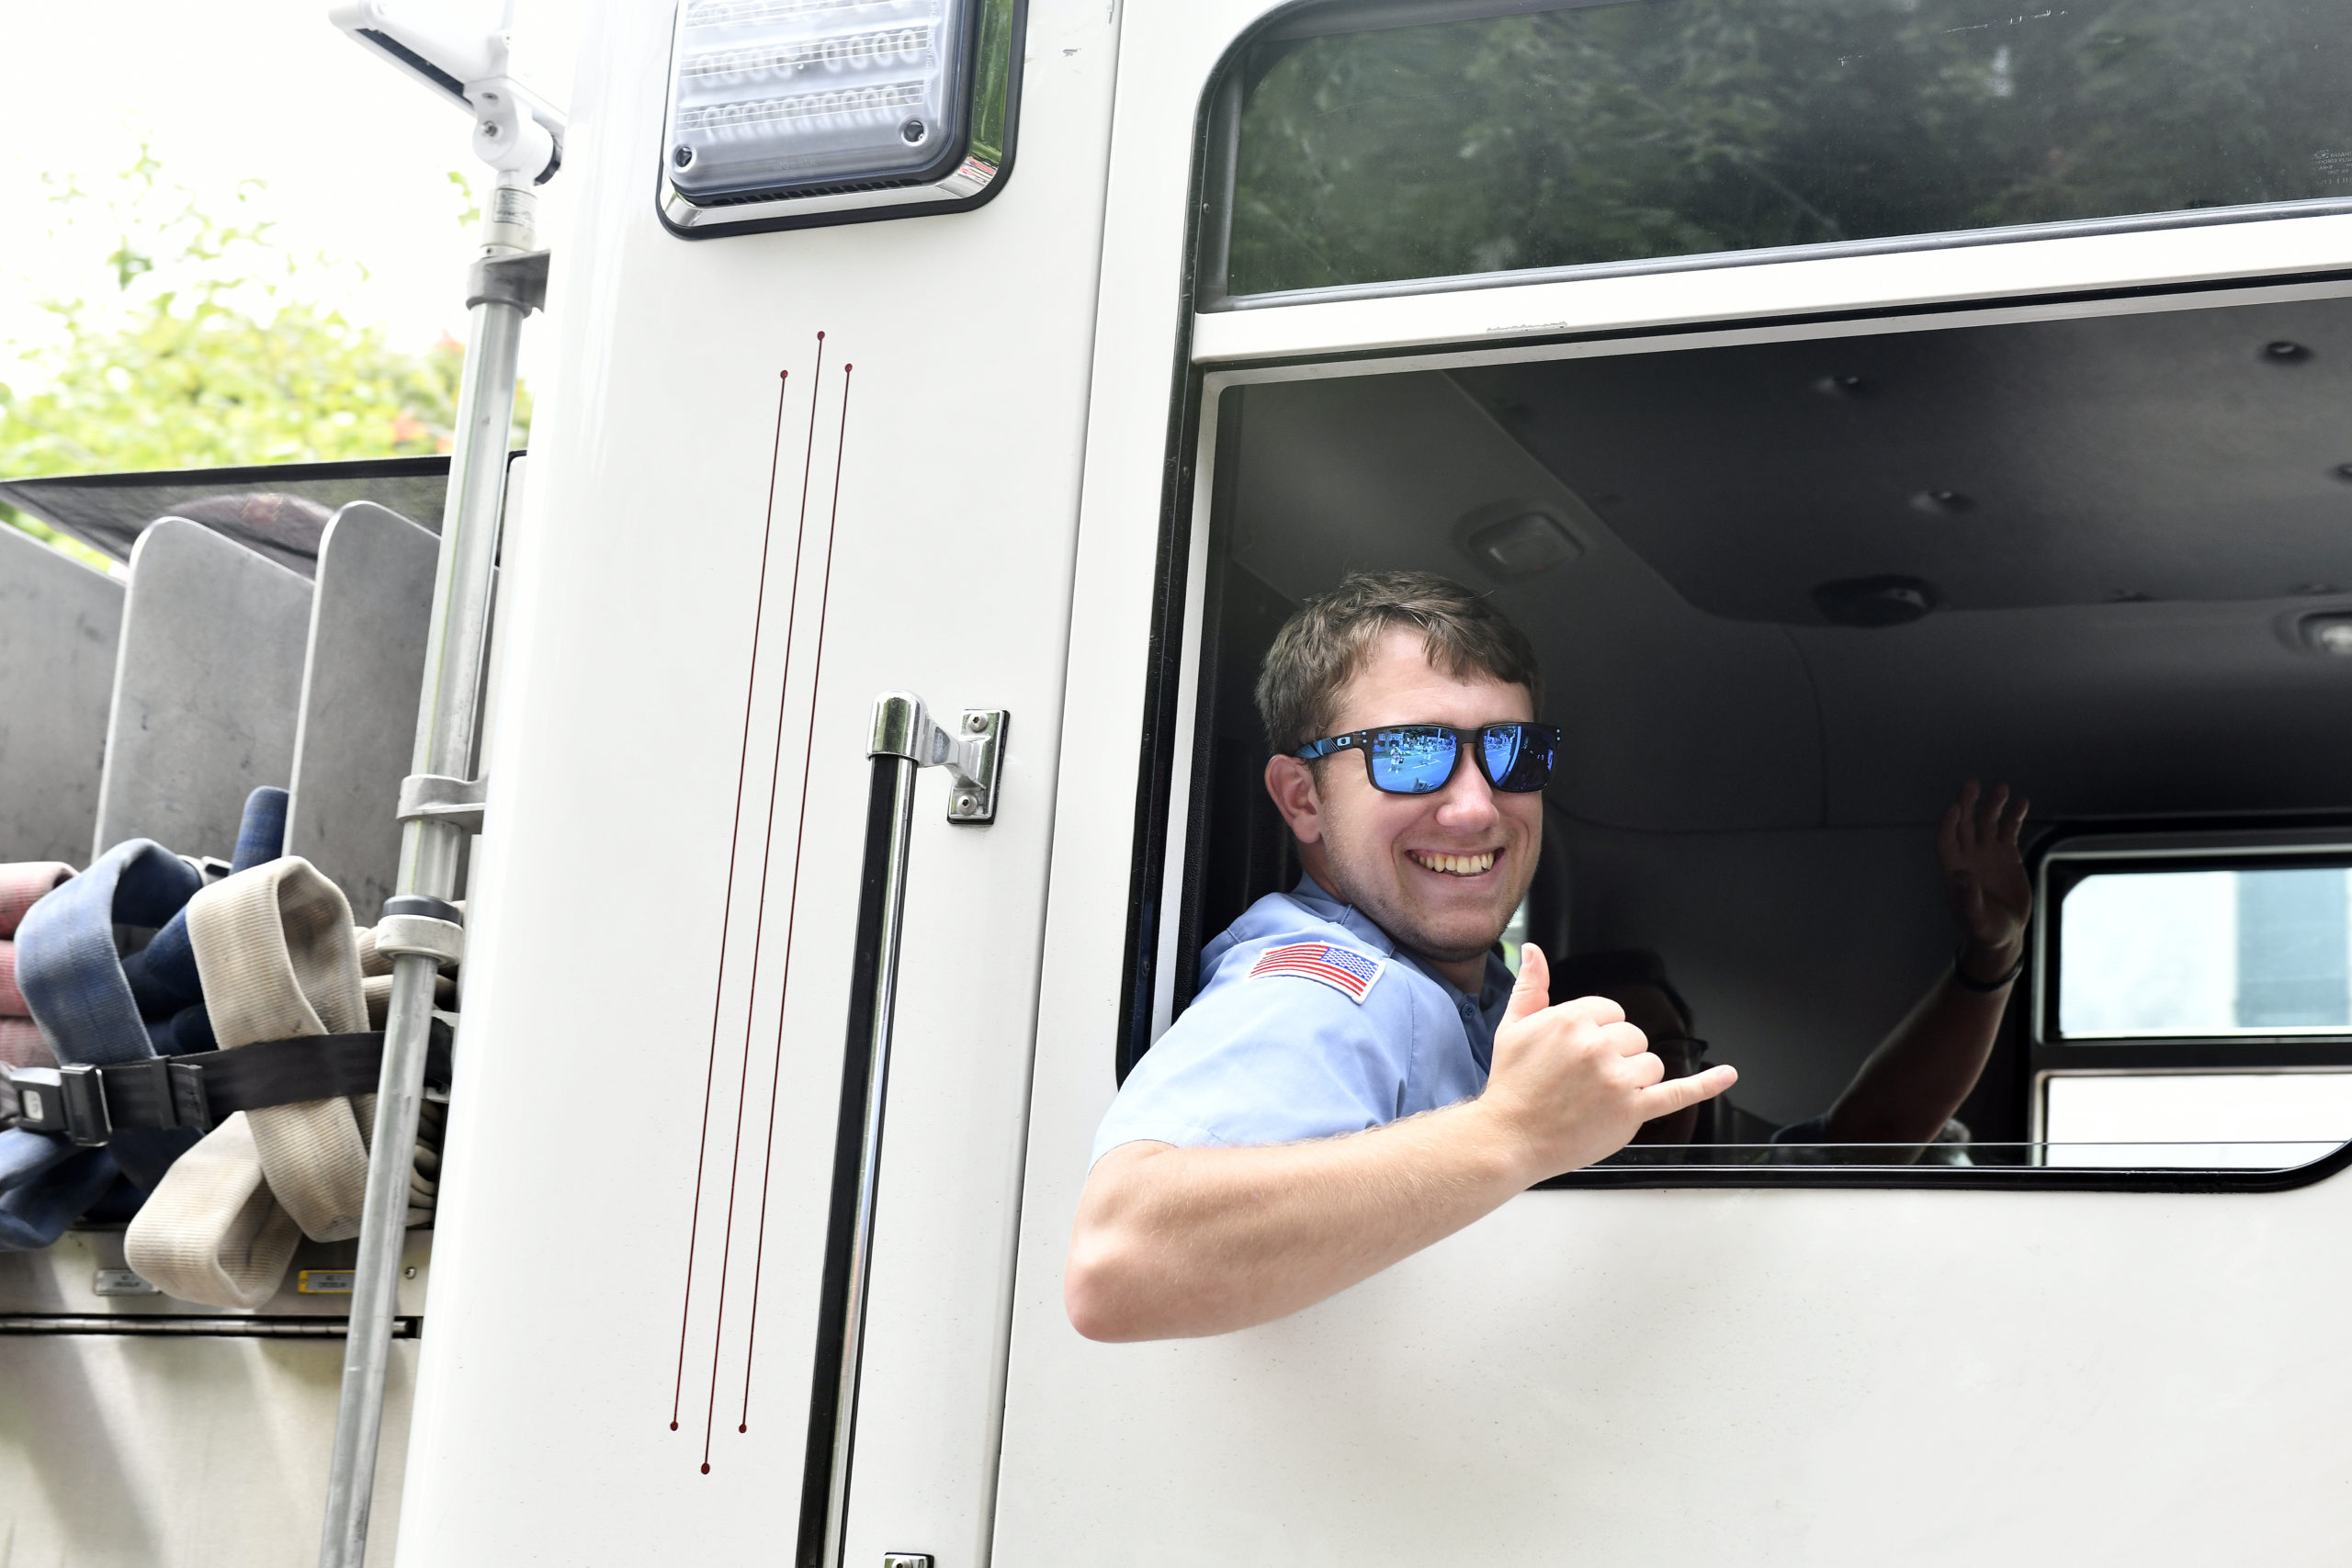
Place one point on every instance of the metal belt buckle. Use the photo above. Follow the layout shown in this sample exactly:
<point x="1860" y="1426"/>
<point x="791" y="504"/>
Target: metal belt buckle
<point x="40" y="1100"/>
<point x="82" y="1104"/>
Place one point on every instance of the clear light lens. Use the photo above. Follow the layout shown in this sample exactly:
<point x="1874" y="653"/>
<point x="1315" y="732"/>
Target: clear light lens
<point x="769" y="96"/>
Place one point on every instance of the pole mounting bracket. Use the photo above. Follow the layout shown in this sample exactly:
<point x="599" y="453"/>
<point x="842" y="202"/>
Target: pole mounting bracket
<point x="517" y="280"/>
<point x="972" y="752"/>
<point x="437" y="798"/>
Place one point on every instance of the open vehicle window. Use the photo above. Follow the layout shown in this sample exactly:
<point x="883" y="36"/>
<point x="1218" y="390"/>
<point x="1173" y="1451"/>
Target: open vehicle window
<point x="1790" y="596"/>
<point x="1630" y="133"/>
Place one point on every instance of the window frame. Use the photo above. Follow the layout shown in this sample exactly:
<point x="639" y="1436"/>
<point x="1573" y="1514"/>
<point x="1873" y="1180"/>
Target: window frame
<point x="1219" y="141"/>
<point x="2153" y="847"/>
<point x="1168" y="865"/>
<point x="2038" y="278"/>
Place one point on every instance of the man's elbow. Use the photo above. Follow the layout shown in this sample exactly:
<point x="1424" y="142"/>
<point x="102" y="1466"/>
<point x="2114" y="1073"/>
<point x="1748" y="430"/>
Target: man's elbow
<point x="1099" y="1286"/>
<point x="1106" y="1284"/>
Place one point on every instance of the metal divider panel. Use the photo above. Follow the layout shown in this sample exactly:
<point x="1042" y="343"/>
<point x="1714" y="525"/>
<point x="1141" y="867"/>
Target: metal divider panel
<point x="59" y="624"/>
<point x="206" y="689"/>
<point x="360" y="684"/>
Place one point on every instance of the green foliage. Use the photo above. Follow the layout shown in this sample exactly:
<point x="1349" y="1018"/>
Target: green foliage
<point x="472" y="213"/>
<point x="1618" y="132"/>
<point x="210" y="349"/>
<point x="990" y="93"/>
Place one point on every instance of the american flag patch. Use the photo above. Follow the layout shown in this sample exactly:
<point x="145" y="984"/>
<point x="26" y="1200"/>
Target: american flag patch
<point x="1341" y="968"/>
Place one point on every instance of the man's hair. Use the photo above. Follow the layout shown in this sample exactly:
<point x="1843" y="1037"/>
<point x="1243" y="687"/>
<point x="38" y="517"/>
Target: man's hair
<point x="1612" y="975"/>
<point x="1320" y="650"/>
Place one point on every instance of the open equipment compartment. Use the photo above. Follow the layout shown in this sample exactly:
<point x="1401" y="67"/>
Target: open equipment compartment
<point x="277" y="644"/>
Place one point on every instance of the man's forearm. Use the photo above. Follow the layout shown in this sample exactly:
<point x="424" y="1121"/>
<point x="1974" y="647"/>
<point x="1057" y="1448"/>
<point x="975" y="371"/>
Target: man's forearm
<point x="1916" y="1079"/>
<point x="1175" y="1242"/>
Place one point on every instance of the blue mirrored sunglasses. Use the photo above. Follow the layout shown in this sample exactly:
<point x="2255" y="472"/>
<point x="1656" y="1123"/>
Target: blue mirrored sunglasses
<point x="1417" y="759"/>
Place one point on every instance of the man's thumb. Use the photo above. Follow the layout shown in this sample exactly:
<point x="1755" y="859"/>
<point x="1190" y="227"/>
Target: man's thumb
<point x="1533" y="992"/>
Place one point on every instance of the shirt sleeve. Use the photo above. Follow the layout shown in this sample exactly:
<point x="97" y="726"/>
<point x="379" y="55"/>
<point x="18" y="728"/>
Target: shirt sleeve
<point x="1270" y="1060"/>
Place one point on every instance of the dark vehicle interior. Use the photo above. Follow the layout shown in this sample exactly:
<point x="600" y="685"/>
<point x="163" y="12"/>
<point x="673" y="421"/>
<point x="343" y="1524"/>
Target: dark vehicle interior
<point x="1791" y="593"/>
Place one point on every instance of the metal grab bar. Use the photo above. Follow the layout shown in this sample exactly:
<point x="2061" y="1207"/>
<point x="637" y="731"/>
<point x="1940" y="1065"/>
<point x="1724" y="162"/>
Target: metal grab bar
<point x="905" y="740"/>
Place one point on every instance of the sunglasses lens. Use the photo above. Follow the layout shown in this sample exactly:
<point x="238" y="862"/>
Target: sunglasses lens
<point x="1411" y="762"/>
<point x="1518" y="756"/>
<point x="1503" y="744"/>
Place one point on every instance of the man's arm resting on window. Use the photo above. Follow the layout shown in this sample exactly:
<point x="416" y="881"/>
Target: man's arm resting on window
<point x="1175" y="1242"/>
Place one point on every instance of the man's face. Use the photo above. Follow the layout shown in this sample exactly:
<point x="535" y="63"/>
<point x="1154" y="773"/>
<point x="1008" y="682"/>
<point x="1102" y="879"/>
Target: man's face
<point x="1440" y="873"/>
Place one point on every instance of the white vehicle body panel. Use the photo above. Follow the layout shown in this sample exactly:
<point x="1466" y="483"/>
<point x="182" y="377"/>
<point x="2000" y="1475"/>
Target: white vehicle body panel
<point x="544" y="1432"/>
<point x="1667" y="1377"/>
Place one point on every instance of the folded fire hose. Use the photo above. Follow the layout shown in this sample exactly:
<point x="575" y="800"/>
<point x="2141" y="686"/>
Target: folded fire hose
<point x="281" y="964"/>
<point x="97" y="1006"/>
<point x="70" y="972"/>
<point x="22" y="885"/>
<point x="140" y="1077"/>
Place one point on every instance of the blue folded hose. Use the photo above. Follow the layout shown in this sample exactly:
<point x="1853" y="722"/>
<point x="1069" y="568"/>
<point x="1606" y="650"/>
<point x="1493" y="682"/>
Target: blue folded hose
<point x="45" y="1184"/>
<point x="98" y="1008"/>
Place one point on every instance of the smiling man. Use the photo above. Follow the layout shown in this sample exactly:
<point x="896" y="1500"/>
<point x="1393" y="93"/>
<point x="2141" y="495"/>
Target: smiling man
<point x="1358" y="1076"/>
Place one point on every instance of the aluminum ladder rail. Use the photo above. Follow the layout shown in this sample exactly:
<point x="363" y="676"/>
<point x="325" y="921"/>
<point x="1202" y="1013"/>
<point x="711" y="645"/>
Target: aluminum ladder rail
<point x="440" y="806"/>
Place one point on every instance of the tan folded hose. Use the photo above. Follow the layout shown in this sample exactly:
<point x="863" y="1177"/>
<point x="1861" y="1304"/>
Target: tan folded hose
<point x="277" y="953"/>
<point x="274" y="946"/>
<point x="210" y="1232"/>
<point x="425" y="1173"/>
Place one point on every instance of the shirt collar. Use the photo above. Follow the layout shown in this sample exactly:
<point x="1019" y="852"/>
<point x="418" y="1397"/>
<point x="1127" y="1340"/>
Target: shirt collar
<point x="1495" y="987"/>
<point x="1311" y="893"/>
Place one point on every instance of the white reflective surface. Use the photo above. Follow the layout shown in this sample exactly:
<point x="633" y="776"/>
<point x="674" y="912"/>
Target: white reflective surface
<point x="2205" y="1120"/>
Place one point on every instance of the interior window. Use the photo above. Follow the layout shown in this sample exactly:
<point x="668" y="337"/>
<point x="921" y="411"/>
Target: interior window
<point x="2199" y="1121"/>
<point x="1790" y="598"/>
<point x="2254" y="952"/>
<point x="1622" y="132"/>
<point x="2200" y="1008"/>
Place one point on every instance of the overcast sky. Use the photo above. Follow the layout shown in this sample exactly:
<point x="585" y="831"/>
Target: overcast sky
<point x="356" y="153"/>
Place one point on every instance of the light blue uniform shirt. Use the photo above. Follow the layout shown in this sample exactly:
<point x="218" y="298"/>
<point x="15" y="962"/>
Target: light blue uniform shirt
<point x="1281" y="1057"/>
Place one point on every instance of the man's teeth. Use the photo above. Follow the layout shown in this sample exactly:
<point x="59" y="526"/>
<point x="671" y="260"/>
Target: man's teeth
<point x="1457" y="865"/>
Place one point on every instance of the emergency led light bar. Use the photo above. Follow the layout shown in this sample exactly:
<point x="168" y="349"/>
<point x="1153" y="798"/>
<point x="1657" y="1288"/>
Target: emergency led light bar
<point x="791" y="113"/>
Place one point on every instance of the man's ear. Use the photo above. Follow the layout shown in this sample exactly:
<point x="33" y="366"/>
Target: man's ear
<point x="1292" y="784"/>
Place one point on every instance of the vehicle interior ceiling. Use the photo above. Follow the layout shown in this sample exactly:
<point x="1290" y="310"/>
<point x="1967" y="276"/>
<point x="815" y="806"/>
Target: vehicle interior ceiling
<point x="2115" y="526"/>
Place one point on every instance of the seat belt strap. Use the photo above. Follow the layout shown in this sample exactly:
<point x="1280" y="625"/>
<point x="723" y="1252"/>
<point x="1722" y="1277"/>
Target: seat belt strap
<point x="89" y="1104"/>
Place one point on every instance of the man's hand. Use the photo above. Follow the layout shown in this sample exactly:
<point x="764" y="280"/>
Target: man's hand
<point x="1984" y="877"/>
<point x="1572" y="1084"/>
<point x="1924" y="1071"/>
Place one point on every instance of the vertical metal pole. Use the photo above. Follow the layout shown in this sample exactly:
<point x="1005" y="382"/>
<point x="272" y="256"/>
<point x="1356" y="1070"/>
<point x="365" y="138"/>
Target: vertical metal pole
<point x="457" y="652"/>
<point x="857" y="1162"/>
<point x="905" y="741"/>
